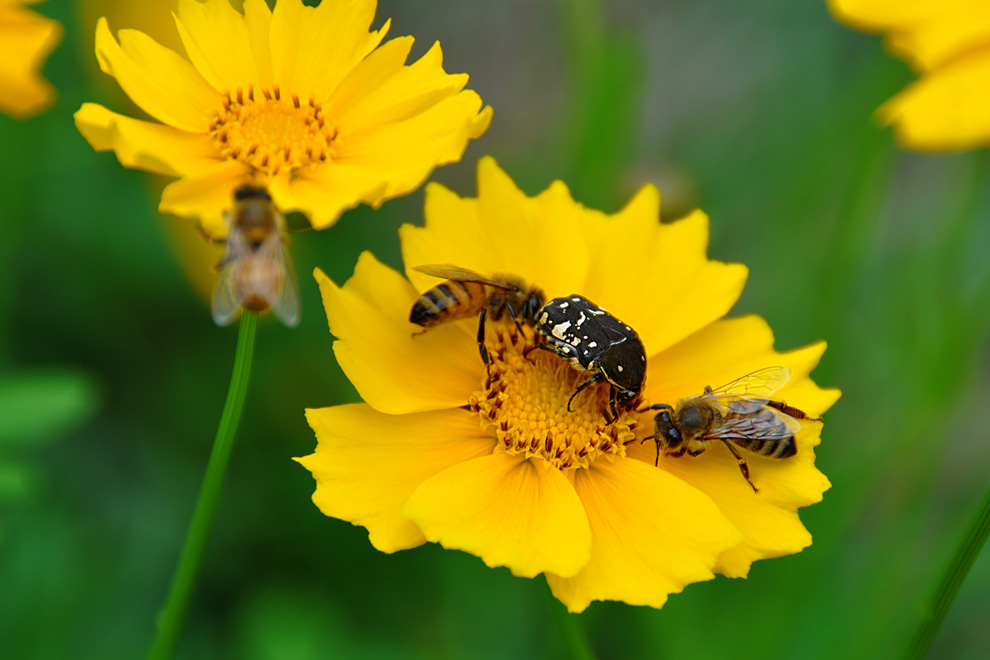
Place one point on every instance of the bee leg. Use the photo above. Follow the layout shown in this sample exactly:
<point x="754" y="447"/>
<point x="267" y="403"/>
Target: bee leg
<point x="591" y="381"/>
<point x="696" y="452"/>
<point x="743" y="466"/>
<point x="515" y="317"/>
<point x="791" y="411"/>
<point x="658" y="406"/>
<point x="481" y="341"/>
<point x="656" y="461"/>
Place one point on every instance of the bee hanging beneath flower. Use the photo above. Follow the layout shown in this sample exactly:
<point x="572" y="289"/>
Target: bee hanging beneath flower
<point x="255" y="272"/>
<point x="739" y="413"/>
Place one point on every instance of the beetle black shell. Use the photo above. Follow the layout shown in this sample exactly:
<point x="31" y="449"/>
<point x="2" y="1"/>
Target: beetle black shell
<point x="597" y="343"/>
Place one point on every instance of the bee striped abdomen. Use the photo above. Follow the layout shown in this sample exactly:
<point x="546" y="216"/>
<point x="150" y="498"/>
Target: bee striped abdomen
<point x="448" y="301"/>
<point x="783" y="448"/>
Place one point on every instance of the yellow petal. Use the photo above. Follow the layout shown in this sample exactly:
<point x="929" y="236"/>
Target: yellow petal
<point x="925" y="32"/>
<point x="768" y="520"/>
<point x="26" y="39"/>
<point x="324" y="192"/>
<point x="367" y="464"/>
<point x="145" y="145"/>
<point x="408" y="91"/>
<point x="509" y="511"/>
<point x="502" y="231"/>
<point x="948" y="109"/>
<point x="669" y="258"/>
<point x="218" y="42"/>
<point x="720" y="353"/>
<point x="405" y="152"/>
<point x="313" y="48"/>
<point x="393" y="370"/>
<point x="367" y="77"/>
<point x="205" y="195"/>
<point x="163" y="84"/>
<point x="652" y="535"/>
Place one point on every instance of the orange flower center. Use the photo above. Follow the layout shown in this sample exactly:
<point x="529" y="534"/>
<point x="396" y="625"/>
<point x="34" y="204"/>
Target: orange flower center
<point x="525" y="401"/>
<point x="272" y="132"/>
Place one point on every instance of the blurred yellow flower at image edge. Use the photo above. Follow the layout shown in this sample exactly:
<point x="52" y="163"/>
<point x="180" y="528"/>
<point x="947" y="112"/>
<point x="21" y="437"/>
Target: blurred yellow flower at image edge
<point x="26" y="39"/>
<point x="947" y="42"/>
<point x="438" y="453"/>
<point x="303" y="100"/>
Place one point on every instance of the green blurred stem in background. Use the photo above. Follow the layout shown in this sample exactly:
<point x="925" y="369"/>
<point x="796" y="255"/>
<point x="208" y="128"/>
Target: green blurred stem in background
<point x="955" y="575"/>
<point x="176" y="605"/>
<point x="570" y="629"/>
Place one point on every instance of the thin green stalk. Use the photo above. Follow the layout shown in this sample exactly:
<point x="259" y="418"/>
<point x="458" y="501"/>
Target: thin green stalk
<point x="955" y="575"/>
<point x="177" y="603"/>
<point x="570" y="629"/>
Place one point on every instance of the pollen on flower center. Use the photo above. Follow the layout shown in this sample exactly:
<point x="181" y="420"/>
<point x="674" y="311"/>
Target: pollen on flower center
<point x="525" y="401"/>
<point x="271" y="131"/>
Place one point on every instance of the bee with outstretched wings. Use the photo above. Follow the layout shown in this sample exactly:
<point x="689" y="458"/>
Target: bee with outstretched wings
<point x="738" y="414"/>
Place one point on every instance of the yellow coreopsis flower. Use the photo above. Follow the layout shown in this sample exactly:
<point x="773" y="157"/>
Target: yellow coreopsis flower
<point x="26" y="39"/>
<point x="302" y="100"/>
<point x="948" y="43"/>
<point x="492" y="462"/>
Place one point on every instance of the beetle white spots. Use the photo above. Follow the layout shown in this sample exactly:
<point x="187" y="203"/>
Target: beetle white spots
<point x="575" y="341"/>
<point x="619" y="367"/>
<point x="543" y="319"/>
<point x="592" y="344"/>
<point x="559" y="329"/>
<point x="575" y="299"/>
<point x="581" y="319"/>
<point x="564" y="305"/>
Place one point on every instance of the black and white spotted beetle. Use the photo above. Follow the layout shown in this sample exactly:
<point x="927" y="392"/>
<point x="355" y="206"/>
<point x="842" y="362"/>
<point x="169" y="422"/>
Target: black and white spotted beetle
<point x="597" y="343"/>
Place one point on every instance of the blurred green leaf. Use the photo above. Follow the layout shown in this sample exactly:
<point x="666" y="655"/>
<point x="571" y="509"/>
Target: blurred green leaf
<point x="40" y="406"/>
<point x="17" y="482"/>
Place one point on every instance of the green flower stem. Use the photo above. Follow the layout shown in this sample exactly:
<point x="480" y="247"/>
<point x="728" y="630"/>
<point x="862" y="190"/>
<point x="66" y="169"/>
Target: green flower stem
<point x="955" y="575"/>
<point x="177" y="603"/>
<point x="570" y="629"/>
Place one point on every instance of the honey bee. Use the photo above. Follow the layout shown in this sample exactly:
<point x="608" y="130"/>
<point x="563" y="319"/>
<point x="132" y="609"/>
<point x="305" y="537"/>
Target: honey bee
<point x="466" y="293"/>
<point x="255" y="272"/>
<point x="739" y="413"/>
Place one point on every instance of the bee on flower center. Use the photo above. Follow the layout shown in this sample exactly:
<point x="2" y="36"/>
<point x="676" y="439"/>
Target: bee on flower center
<point x="255" y="272"/>
<point x="738" y="414"/>
<point x="597" y="343"/>
<point x="466" y="293"/>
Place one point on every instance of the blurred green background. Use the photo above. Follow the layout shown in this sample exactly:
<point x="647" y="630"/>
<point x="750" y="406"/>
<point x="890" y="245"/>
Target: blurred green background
<point x="112" y="375"/>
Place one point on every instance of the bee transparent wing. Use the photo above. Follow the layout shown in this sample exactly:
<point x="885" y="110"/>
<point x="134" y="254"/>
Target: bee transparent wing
<point x="286" y="304"/>
<point x="765" y="425"/>
<point x="759" y="385"/>
<point x="226" y="302"/>
<point x="448" y="272"/>
<point x="281" y="291"/>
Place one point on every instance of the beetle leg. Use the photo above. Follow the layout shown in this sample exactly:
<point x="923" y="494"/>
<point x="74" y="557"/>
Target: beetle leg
<point x="611" y="405"/>
<point x="743" y="466"/>
<point x="594" y="379"/>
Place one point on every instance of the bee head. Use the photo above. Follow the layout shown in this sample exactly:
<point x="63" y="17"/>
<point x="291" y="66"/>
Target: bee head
<point x="665" y="433"/>
<point x="248" y="191"/>
<point x="533" y="304"/>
